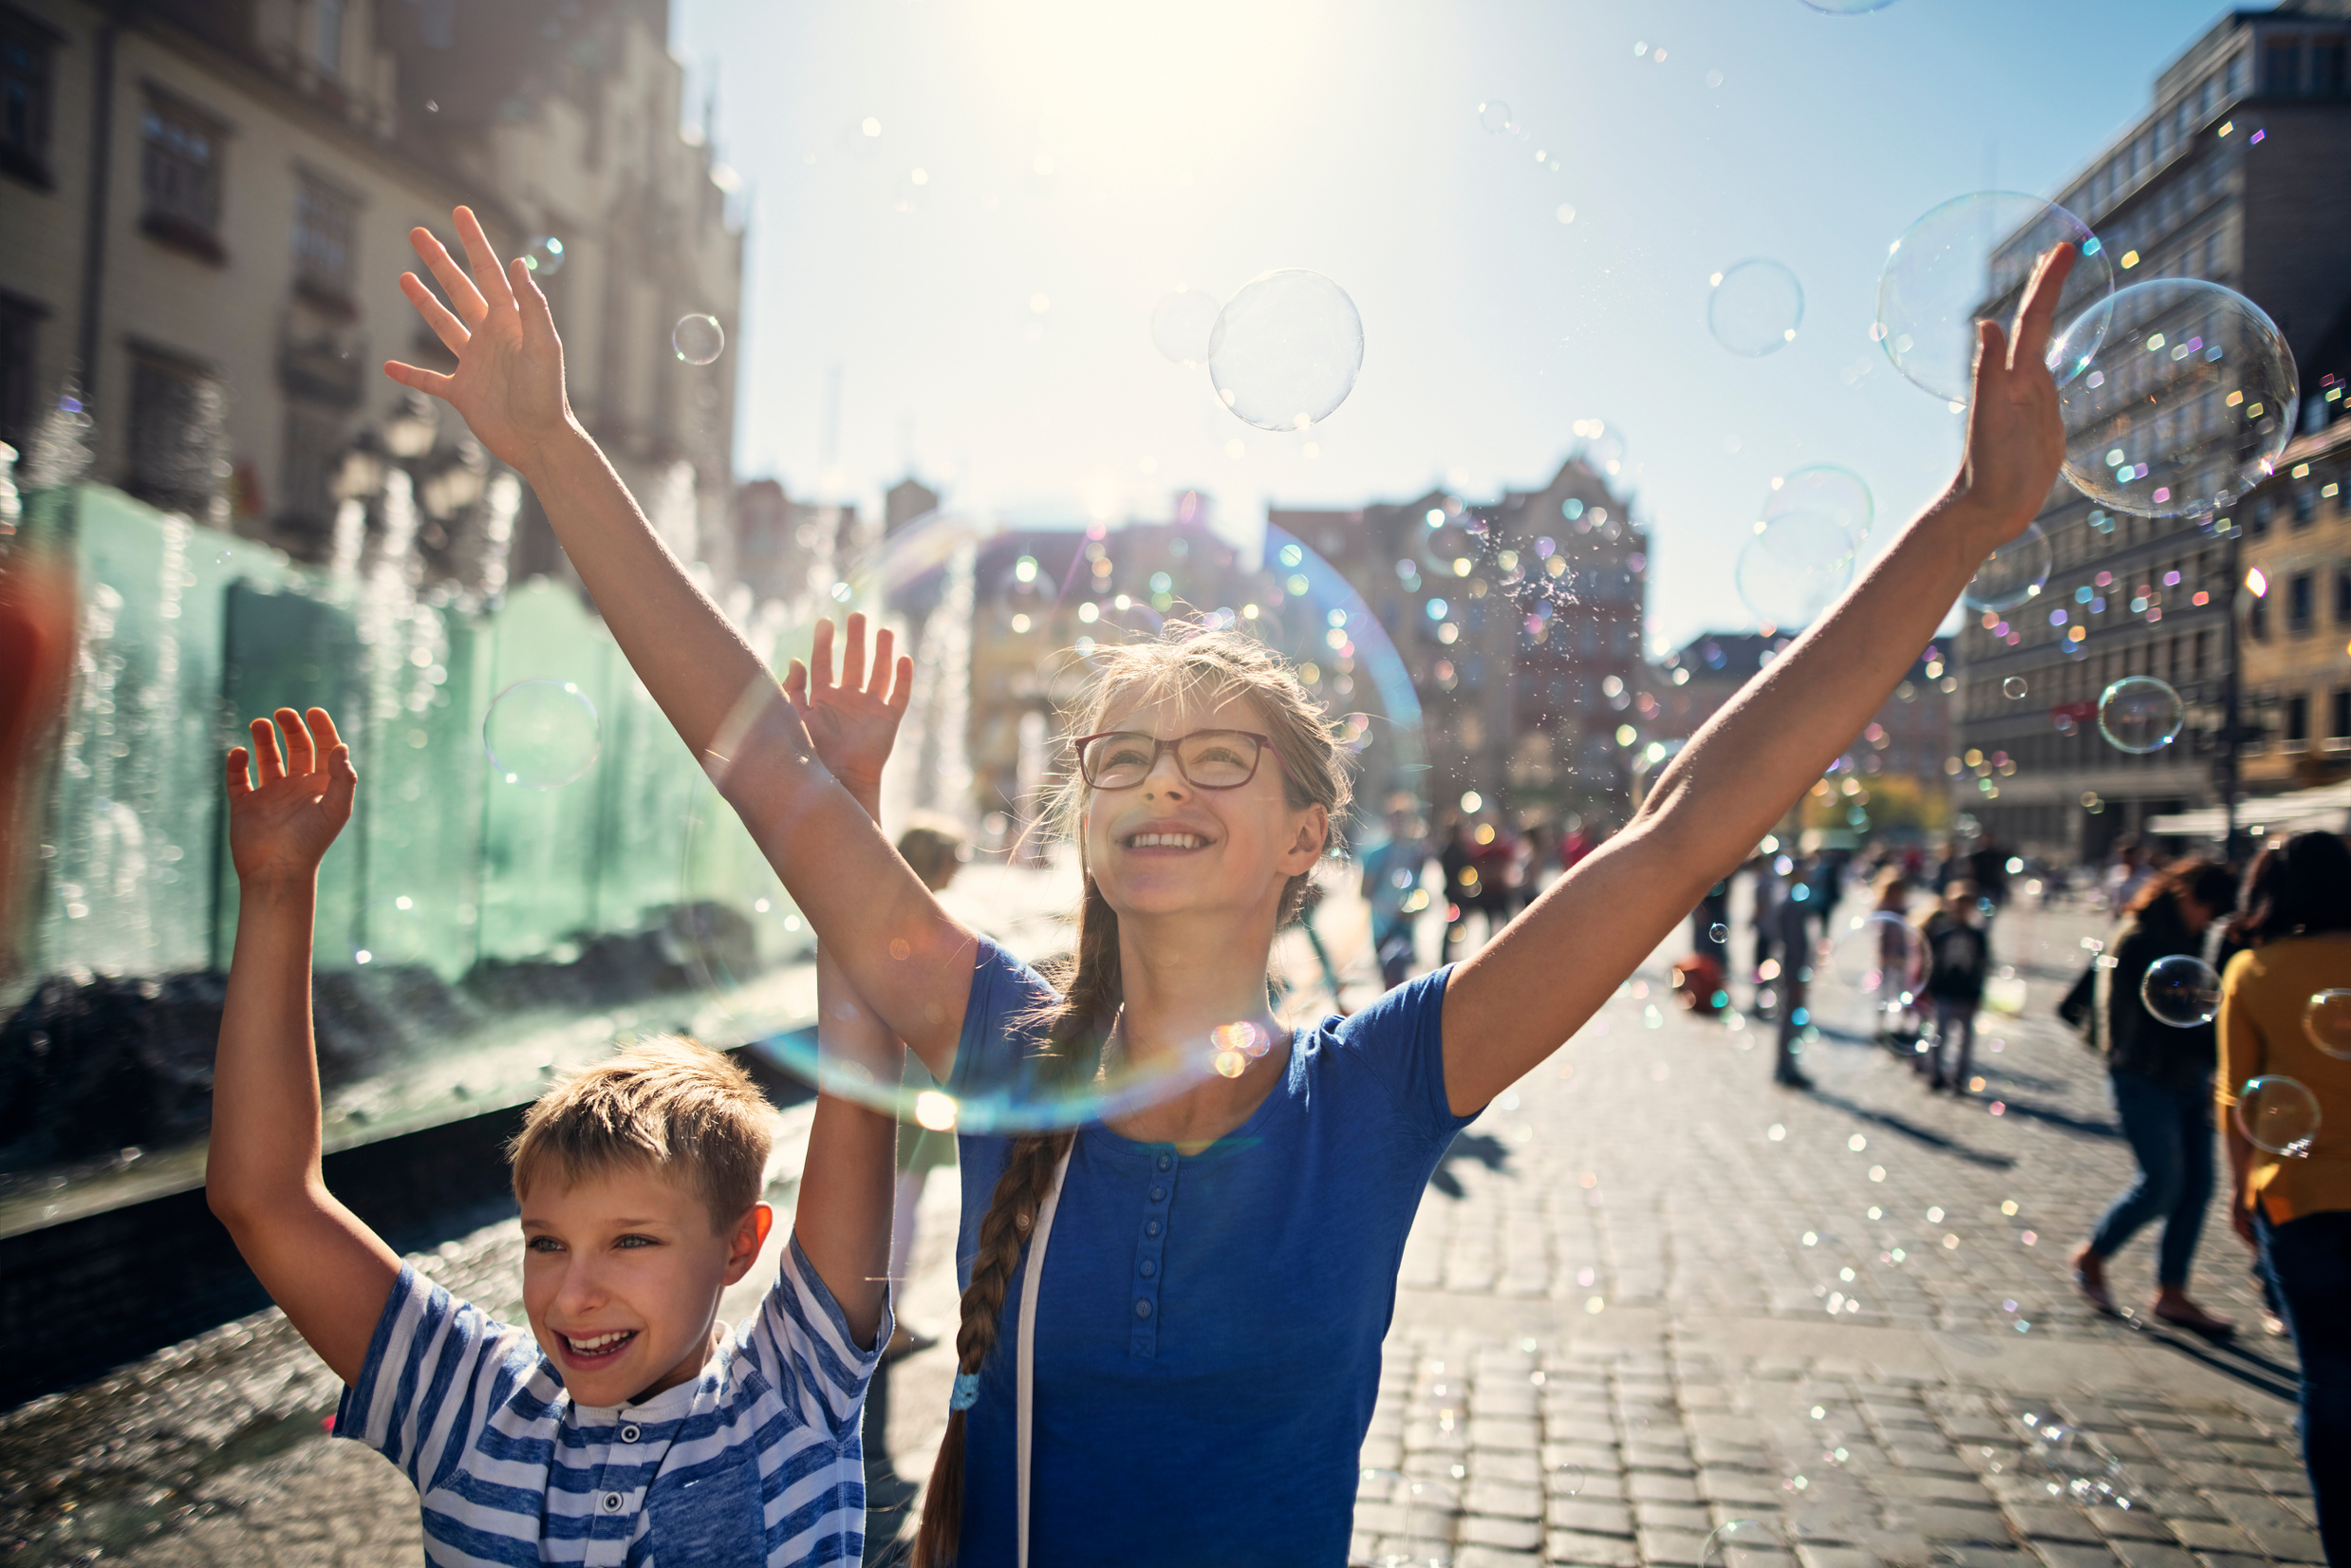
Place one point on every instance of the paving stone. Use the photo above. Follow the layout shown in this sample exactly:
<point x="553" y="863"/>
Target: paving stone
<point x="1570" y="1546"/>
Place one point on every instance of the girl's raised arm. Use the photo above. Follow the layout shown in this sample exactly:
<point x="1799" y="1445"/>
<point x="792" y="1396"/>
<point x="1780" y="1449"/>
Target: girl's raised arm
<point x="863" y="903"/>
<point x="1527" y="991"/>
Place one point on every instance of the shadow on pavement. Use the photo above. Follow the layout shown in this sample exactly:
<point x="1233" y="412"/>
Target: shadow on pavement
<point x="2230" y="1358"/>
<point x="2061" y="1118"/>
<point x="1911" y="1130"/>
<point x="1483" y="1147"/>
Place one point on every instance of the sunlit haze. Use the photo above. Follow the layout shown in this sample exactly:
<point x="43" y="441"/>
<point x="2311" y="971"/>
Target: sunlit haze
<point x="989" y="315"/>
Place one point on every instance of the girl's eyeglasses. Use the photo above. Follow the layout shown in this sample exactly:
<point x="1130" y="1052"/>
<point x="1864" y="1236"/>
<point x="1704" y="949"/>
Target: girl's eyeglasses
<point x="1208" y="759"/>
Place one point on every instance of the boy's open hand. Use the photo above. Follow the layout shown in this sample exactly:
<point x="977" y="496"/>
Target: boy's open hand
<point x="509" y="381"/>
<point x="279" y="831"/>
<point x="2015" y="438"/>
<point x="855" y="722"/>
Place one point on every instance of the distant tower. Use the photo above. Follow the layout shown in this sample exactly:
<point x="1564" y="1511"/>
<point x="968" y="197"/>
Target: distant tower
<point x="908" y="499"/>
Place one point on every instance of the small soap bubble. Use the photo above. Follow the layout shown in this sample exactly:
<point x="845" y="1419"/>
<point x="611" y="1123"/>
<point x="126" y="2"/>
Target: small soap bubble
<point x="2177" y="395"/>
<point x="1182" y="325"/>
<point x="1743" y="1544"/>
<point x="388" y="933"/>
<point x="2013" y="687"/>
<point x="1755" y="308"/>
<point x="1838" y="493"/>
<point x="2180" y="990"/>
<point x="1285" y="349"/>
<point x="1567" y="1481"/>
<point x="1495" y="116"/>
<point x="1718" y="932"/>
<point x="1794" y="568"/>
<point x="2016" y="571"/>
<point x="2326" y="1018"/>
<point x="544" y="255"/>
<point x="2141" y="714"/>
<point x="2279" y="1115"/>
<point x="697" y="339"/>
<point x="541" y="735"/>
<point x="1934" y="285"/>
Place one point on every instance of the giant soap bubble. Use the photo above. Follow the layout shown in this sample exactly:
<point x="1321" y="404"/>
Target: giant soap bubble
<point x="1838" y="493"/>
<point x="2178" y="395"/>
<point x="1004" y="617"/>
<point x="1285" y="349"/>
<point x="1967" y="261"/>
<point x="541" y="735"/>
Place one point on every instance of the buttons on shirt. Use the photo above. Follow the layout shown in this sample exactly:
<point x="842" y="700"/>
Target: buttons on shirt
<point x="611" y="1502"/>
<point x="631" y="1432"/>
<point x="1148" y="1268"/>
<point x="1159" y="1194"/>
<point x="1143" y="1309"/>
<point x="1150" y="1227"/>
<point x="1167" y="1162"/>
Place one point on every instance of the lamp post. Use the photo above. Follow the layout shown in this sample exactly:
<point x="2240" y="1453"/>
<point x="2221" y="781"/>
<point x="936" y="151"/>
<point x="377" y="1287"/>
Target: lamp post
<point x="2230" y="686"/>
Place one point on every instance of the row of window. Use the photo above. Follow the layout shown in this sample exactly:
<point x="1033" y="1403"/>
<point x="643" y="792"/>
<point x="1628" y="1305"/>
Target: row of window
<point x="2297" y="710"/>
<point x="2296" y="597"/>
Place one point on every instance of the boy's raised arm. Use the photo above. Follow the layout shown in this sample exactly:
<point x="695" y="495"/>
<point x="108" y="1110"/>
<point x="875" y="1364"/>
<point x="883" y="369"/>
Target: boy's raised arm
<point x="326" y="1269"/>
<point x="857" y="894"/>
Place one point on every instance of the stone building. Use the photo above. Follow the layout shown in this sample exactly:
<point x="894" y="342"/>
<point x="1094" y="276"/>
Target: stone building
<point x="2237" y="175"/>
<point x="203" y="215"/>
<point x="2294" y="643"/>
<point x="1521" y="622"/>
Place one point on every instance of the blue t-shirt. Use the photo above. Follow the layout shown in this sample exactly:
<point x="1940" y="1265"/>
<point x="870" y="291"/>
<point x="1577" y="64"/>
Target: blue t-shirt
<point x="1208" y="1330"/>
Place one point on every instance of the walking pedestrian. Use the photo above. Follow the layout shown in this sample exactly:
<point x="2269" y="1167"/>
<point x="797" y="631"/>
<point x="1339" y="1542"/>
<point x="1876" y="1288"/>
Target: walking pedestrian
<point x="1791" y="929"/>
<point x="1958" y="955"/>
<point x="2162" y="1080"/>
<point x="2296" y="1213"/>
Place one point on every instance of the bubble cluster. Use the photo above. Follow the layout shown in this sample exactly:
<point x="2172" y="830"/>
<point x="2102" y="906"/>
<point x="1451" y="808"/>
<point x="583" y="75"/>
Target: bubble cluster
<point x="2016" y="571"/>
<point x="1794" y="568"/>
<point x="1285" y="349"/>
<point x="541" y="735"/>
<point x="1755" y="308"/>
<point x="697" y="339"/>
<point x="2279" y="1115"/>
<point x="1967" y="261"/>
<point x="2180" y="990"/>
<point x="1184" y="325"/>
<point x="2178" y="395"/>
<point x="2141" y="714"/>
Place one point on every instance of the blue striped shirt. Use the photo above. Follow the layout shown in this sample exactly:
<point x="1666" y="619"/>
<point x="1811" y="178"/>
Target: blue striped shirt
<point x="757" y="1460"/>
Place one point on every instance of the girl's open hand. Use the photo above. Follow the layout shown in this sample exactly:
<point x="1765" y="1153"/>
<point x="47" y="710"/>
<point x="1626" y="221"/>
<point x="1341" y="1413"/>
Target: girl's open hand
<point x="509" y="381"/>
<point x="2016" y="439"/>
<point x="854" y="722"/>
<point x="279" y="830"/>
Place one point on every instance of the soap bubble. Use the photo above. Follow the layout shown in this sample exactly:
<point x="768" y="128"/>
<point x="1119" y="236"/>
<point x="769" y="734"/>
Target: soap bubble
<point x="2178" y="396"/>
<point x="1495" y="116"/>
<point x="1408" y="1519"/>
<point x="2326" y="1018"/>
<point x="2141" y="714"/>
<point x="1755" y="308"/>
<point x="1967" y="261"/>
<point x="697" y="339"/>
<point x="2013" y="687"/>
<point x="1182" y="325"/>
<point x="2180" y="990"/>
<point x="388" y="933"/>
<point x="1881" y="958"/>
<point x="1794" y="568"/>
<point x="1848" y="8"/>
<point x="2016" y="571"/>
<point x="1285" y="349"/>
<point x="970" y="597"/>
<point x="541" y="735"/>
<point x="544" y="255"/>
<point x="2278" y="1115"/>
<point x="1743" y="1544"/>
<point x="1838" y="493"/>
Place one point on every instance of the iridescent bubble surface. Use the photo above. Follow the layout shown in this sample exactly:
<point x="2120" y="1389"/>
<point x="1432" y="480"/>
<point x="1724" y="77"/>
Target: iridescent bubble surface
<point x="2326" y="1019"/>
<point x="2016" y="571"/>
<point x="2279" y="1115"/>
<point x="1838" y="493"/>
<point x="1848" y="8"/>
<point x="1182" y="325"/>
<point x="541" y="735"/>
<point x="1793" y="567"/>
<point x="2180" y="990"/>
<point x="544" y="255"/>
<point x="1495" y="116"/>
<point x="2178" y="396"/>
<point x="697" y="339"/>
<point x="1879" y="956"/>
<point x="2141" y="714"/>
<point x="1285" y="349"/>
<point x="1967" y="261"/>
<point x="1755" y="308"/>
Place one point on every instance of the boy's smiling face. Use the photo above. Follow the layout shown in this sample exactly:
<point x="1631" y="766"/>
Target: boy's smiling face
<point x="620" y="1277"/>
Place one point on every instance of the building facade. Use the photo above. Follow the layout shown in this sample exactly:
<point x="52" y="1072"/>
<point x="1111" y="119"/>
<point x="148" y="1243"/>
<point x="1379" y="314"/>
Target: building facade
<point x="2294" y="641"/>
<point x="2238" y="174"/>
<point x="204" y="210"/>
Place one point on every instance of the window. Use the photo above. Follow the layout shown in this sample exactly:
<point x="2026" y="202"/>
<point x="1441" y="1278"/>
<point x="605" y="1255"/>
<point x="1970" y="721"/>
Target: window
<point x="175" y="418"/>
<point x="18" y="319"/>
<point x="2306" y="505"/>
<point x="2326" y="68"/>
<point x="2300" y="598"/>
<point x="2298" y="719"/>
<point x="2338" y="727"/>
<point x="2257" y="619"/>
<point x="2280" y="66"/>
<point x="179" y="176"/>
<point x="24" y="93"/>
<point x="313" y="442"/>
<point x="2236" y="75"/>
<point x="326" y="49"/>
<point x="2262" y="508"/>
<point x="324" y="219"/>
<point x="2343" y="596"/>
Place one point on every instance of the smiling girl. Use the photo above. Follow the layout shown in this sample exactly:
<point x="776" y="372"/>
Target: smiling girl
<point x="1202" y="1286"/>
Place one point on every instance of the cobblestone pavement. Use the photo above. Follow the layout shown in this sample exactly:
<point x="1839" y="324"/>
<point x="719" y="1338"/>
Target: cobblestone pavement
<point x="1648" y="1296"/>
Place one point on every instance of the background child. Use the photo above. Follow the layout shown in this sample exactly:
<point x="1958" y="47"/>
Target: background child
<point x="1958" y="957"/>
<point x="625" y="1413"/>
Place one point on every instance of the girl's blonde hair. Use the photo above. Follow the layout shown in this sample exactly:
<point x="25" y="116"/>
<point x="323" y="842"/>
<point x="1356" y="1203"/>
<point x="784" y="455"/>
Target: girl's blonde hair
<point x="1202" y="667"/>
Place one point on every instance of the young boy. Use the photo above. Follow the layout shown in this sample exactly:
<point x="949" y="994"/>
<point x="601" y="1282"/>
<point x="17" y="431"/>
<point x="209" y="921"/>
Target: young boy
<point x="625" y="1422"/>
<point x="1958" y="959"/>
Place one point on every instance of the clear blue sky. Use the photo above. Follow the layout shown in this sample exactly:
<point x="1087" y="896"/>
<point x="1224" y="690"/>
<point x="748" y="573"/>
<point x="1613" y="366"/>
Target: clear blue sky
<point x="1098" y="155"/>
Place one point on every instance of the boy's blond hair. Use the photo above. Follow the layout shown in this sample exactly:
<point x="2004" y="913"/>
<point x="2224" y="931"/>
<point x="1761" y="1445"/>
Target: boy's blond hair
<point x="664" y="1104"/>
